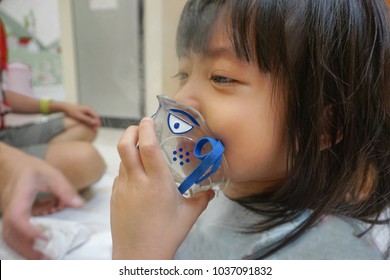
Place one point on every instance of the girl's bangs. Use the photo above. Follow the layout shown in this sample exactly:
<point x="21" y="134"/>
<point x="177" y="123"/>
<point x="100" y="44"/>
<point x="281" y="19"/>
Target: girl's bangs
<point x="195" y="26"/>
<point x="251" y="26"/>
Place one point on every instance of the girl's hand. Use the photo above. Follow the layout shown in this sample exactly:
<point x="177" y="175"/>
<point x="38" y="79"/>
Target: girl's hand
<point x="149" y="217"/>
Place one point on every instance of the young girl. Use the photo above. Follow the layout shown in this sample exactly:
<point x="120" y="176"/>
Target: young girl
<point x="298" y="93"/>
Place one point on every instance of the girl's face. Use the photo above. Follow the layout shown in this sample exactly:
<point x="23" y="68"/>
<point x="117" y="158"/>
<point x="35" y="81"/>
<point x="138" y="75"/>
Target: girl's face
<point x="242" y="110"/>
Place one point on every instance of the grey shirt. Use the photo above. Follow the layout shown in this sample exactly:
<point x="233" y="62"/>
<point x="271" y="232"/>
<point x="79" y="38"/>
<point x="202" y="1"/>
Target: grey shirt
<point x="219" y="234"/>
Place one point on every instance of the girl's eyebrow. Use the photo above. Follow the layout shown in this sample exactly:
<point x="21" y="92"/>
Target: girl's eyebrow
<point x="220" y="51"/>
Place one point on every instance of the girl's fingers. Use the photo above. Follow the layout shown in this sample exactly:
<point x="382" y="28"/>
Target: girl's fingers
<point x="149" y="148"/>
<point x="128" y="151"/>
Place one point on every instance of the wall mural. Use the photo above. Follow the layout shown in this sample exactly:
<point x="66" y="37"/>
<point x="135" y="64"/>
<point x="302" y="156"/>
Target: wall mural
<point x="33" y="38"/>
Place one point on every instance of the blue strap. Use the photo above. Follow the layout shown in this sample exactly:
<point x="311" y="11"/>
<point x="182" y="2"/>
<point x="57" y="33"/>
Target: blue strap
<point x="209" y="162"/>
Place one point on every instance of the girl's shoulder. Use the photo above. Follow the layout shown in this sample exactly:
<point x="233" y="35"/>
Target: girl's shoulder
<point x="332" y="238"/>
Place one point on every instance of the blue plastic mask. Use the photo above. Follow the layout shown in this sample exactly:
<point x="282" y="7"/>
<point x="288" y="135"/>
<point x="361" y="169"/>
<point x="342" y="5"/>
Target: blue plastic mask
<point x="194" y="157"/>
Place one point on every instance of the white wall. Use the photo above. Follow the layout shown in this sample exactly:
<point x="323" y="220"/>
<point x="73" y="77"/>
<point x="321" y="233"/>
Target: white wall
<point x="44" y="21"/>
<point x="68" y="51"/>
<point x="153" y="53"/>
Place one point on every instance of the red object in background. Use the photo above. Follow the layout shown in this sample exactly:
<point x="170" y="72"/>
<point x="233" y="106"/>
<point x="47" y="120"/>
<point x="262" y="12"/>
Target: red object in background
<point x="24" y="40"/>
<point x="3" y="47"/>
<point x="3" y="66"/>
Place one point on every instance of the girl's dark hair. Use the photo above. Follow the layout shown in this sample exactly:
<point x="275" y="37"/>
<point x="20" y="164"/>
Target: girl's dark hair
<point x="332" y="58"/>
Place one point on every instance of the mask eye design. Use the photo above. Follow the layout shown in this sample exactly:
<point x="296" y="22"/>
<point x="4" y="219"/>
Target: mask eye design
<point x="178" y="125"/>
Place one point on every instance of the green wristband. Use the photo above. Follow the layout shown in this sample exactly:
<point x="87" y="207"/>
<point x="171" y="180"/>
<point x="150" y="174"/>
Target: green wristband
<point x="44" y="106"/>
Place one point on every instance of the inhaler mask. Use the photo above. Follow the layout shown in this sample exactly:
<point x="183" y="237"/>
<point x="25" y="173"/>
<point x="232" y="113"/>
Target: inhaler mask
<point x="194" y="157"/>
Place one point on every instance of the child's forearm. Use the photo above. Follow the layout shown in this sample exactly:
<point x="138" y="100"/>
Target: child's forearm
<point x="22" y="104"/>
<point x="8" y="156"/>
<point x="27" y="105"/>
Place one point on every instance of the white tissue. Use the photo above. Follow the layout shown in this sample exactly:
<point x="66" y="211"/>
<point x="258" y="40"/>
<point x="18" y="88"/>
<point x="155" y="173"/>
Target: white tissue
<point x="62" y="237"/>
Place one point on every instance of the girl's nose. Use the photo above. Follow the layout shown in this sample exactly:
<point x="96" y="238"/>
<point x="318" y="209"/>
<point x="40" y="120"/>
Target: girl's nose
<point x="190" y="94"/>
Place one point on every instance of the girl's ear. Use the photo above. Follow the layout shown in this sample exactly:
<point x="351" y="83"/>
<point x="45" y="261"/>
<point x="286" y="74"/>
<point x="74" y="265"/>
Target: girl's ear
<point x="332" y="132"/>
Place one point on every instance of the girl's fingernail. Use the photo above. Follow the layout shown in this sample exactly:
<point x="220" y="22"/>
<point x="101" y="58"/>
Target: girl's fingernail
<point x="77" y="201"/>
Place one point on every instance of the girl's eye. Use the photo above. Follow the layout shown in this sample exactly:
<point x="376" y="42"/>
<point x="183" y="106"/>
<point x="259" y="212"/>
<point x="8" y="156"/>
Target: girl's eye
<point x="178" y="125"/>
<point x="222" y="80"/>
<point x="181" y="76"/>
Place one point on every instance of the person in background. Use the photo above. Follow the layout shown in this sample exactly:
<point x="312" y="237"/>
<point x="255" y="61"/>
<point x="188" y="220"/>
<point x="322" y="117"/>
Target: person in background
<point x="43" y="165"/>
<point x="298" y="93"/>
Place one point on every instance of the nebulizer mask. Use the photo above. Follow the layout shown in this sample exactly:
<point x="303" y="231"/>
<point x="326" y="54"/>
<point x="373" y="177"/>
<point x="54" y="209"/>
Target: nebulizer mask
<point x="195" y="158"/>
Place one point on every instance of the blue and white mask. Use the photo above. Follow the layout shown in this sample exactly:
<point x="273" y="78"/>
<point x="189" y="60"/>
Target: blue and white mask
<point x="194" y="157"/>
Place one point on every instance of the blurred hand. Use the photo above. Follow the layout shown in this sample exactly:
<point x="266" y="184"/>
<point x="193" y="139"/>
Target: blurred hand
<point x="149" y="216"/>
<point x="22" y="177"/>
<point x="82" y="113"/>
